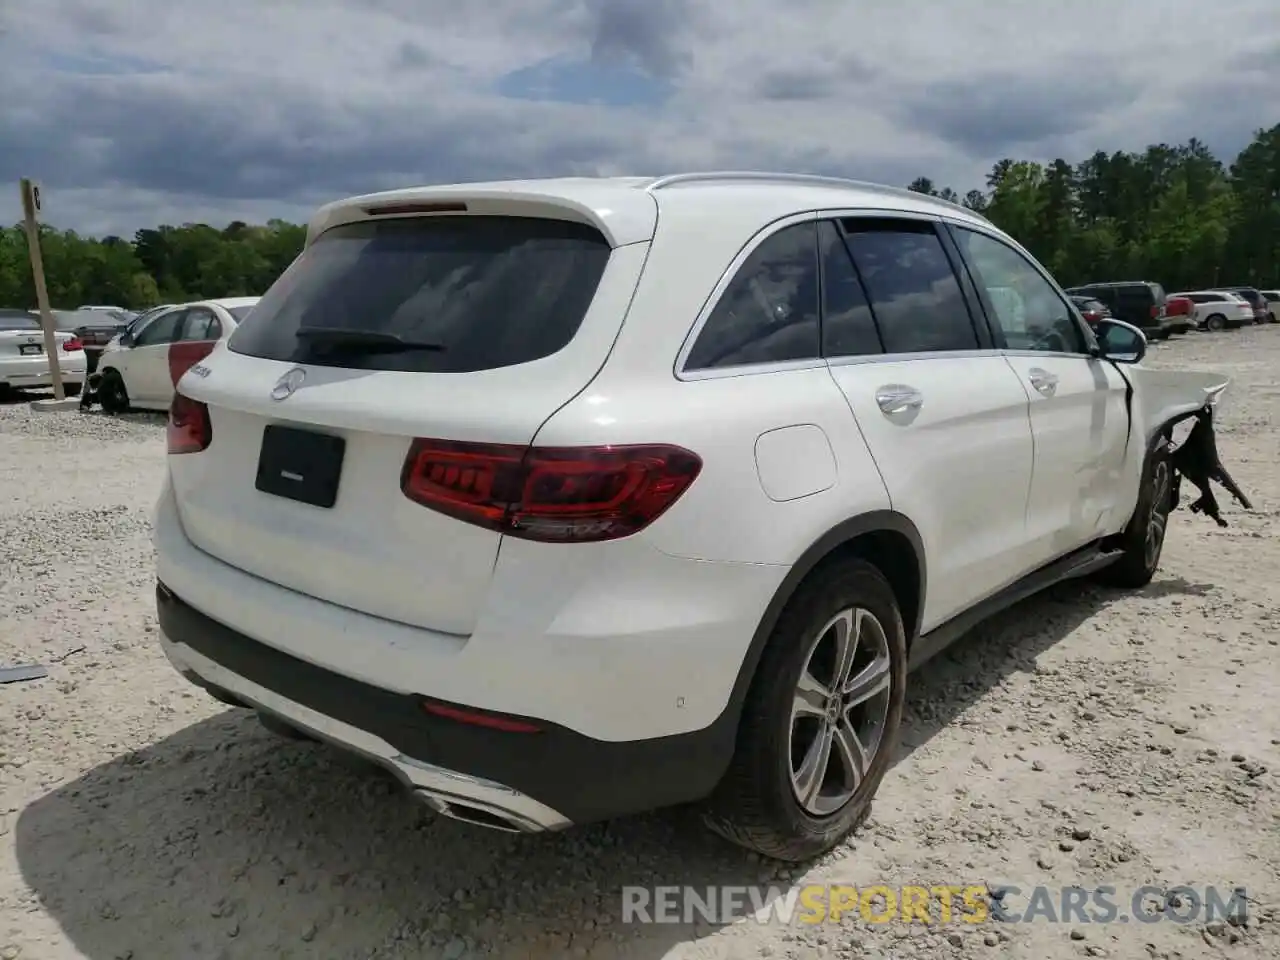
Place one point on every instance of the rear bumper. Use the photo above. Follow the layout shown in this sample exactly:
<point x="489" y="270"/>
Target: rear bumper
<point x="34" y="371"/>
<point x="527" y="781"/>
<point x="630" y="669"/>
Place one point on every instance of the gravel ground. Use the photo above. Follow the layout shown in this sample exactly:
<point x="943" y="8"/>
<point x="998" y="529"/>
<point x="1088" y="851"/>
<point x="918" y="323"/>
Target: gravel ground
<point x="1086" y="737"/>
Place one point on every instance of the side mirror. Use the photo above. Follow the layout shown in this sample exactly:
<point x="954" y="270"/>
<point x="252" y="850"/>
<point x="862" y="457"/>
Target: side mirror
<point x="1120" y="341"/>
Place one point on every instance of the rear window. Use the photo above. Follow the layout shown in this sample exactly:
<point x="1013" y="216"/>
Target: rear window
<point x="17" y="322"/>
<point x="239" y="313"/>
<point x="466" y="293"/>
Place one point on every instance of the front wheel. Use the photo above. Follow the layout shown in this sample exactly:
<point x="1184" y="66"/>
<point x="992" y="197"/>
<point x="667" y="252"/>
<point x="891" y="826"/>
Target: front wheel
<point x="821" y="718"/>
<point x="112" y="393"/>
<point x="1143" y="539"/>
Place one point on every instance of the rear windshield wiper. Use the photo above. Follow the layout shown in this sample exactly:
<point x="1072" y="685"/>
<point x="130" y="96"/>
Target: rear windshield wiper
<point x="363" y="341"/>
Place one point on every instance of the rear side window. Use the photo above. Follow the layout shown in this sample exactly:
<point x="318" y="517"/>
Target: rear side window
<point x="848" y="328"/>
<point x="914" y="293"/>
<point x="769" y="311"/>
<point x="201" y="324"/>
<point x="430" y="294"/>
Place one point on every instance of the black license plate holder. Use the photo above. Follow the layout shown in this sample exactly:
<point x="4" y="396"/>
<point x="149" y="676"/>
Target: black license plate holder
<point x="30" y="349"/>
<point x="302" y="465"/>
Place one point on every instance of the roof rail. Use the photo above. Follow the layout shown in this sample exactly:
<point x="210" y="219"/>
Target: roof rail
<point x="711" y="176"/>
<point x="708" y="176"/>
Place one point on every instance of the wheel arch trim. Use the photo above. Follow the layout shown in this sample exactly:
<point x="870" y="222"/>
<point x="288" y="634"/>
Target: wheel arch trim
<point x="843" y="533"/>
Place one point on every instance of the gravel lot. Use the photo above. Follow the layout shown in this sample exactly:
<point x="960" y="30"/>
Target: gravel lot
<point x="140" y="819"/>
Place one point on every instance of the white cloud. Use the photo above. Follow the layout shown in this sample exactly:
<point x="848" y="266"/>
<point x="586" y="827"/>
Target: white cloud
<point x="173" y="110"/>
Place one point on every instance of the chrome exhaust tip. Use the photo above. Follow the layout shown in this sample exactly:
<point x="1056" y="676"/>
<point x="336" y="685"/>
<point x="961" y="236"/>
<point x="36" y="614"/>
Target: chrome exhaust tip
<point x="478" y="815"/>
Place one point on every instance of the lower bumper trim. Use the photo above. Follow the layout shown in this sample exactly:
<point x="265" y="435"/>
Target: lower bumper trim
<point x="531" y="781"/>
<point x="448" y="792"/>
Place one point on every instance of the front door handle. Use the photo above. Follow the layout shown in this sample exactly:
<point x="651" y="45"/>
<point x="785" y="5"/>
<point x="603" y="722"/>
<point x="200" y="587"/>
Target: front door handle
<point x="1044" y="381"/>
<point x="898" y="398"/>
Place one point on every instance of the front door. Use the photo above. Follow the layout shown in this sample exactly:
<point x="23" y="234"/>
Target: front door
<point x="145" y="365"/>
<point x="1079" y="417"/>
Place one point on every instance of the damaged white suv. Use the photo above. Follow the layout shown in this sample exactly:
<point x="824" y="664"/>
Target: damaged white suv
<point x="568" y="499"/>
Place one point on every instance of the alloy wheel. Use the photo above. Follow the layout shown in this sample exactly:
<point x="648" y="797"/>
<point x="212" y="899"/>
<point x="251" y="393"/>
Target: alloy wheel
<point x="839" y="711"/>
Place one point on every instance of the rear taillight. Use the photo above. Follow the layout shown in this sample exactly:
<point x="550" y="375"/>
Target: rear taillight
<point x="1155" y="311"/>
<point x="72" y="345"/>
<point x="550" y="494"/>
<point x="189" y="428"/>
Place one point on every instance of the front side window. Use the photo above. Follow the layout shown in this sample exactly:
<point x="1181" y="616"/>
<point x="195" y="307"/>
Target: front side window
<point x="1028" y="310"/>
<point x="769" y="311"/>
<point x="163" y="329"/>
<point x="914" y="293"/>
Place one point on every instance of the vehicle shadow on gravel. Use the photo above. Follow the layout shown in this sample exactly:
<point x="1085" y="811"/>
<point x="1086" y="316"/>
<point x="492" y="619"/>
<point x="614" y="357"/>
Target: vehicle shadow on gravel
<point x="223" y="841"/>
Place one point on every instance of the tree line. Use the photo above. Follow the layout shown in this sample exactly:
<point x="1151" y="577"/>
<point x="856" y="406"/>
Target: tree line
<point x="1177" y="215"/>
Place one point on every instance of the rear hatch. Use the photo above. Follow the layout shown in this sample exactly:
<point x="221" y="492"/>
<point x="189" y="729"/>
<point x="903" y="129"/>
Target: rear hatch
<point x="462" y="328"/>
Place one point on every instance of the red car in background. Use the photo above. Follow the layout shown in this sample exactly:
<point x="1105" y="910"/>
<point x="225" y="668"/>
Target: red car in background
<point x="1181" y="313"/>
<point x="1092" y="310"/>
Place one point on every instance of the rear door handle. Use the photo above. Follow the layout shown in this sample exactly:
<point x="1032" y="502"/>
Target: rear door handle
<point x="1044" y="381"/>
<point x="898" y="398"/>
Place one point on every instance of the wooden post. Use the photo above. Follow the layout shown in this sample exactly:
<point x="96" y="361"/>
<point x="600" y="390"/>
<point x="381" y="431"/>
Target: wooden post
<point x="30" y="207"/>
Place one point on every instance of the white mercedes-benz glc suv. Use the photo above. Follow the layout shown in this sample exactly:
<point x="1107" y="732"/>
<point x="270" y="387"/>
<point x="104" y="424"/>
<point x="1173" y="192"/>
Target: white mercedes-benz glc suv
<point x="569" y="499"/>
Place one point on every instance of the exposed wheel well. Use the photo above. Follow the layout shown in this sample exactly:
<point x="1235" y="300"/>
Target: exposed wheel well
<point x="893" y="554"/>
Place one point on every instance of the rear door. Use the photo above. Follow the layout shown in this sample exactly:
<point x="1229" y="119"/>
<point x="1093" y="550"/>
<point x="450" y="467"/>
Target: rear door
<point x="1079" y="417"/>
<point x="456" y="328"/>
<point x="944" y="416"/>
<point x="196" y="340"/>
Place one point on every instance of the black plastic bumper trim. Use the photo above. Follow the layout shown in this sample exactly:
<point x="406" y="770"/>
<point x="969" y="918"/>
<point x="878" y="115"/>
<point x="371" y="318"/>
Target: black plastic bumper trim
<point x="582" y="778"/>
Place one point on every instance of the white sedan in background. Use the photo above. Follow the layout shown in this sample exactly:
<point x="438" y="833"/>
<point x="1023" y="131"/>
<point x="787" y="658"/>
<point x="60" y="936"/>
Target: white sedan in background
<point x="23" y="362"/>
<point x="140" y="367"/>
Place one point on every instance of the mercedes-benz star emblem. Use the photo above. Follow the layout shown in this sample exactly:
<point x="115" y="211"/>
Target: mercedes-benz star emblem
<point x="287" y="385"/>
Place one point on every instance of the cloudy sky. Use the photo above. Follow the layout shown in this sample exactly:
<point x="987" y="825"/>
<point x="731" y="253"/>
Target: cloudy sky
<point x="138" y="112"/>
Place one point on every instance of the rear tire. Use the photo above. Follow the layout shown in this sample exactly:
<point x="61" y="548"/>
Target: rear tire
<point x="72" y="389"/>
<point x="1271" y="318"/>
<point x="1215" y="323"/>
<point x="1143" y="539"/>
<point x="112" y="394"/>
<point x="782" y="796"/>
